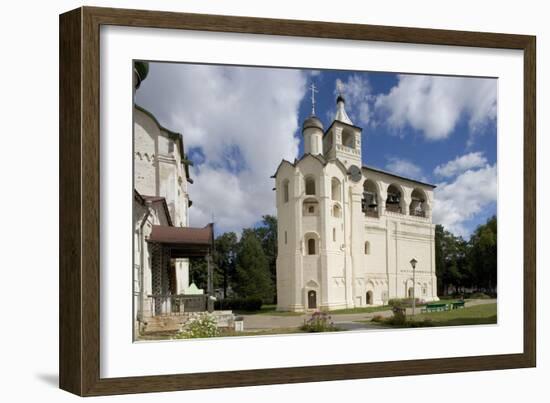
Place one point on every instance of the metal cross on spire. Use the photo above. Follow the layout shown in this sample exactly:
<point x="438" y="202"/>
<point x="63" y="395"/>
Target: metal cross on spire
<point x="313" y="91"/>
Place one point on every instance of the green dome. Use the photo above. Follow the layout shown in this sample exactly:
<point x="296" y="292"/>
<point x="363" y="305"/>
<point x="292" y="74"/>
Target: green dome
<point x="141" y="69"/>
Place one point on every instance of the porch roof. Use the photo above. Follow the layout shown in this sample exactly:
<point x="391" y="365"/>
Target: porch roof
<point x="184" y="241"/>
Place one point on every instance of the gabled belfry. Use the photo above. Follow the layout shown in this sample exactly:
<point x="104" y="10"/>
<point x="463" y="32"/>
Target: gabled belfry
<point x="342" y="140"/>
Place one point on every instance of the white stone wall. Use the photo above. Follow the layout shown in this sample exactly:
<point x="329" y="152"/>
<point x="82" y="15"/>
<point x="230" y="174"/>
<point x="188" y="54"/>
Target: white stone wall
<point x="144" y="219"/>
<point x="158" y="171"/>
<point x="313" y="142"/>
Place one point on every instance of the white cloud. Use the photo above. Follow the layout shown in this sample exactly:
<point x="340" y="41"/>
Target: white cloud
<point x="357" y="93"/>
<point x="433" y="105"/>
<point x="461" y="164"/>
<point x="404" y="168"/>
<point x="243" y="120"/>
<point x="459" y="201"/>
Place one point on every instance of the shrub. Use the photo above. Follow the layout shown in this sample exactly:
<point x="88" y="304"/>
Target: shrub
<point x="377" y="318"/>
<point x="319" y="322"/>
<point x="203" y="325"/>
<point x="405" y="302"/>
<point x="399" y="317"/>
<point x="239" y="304"/>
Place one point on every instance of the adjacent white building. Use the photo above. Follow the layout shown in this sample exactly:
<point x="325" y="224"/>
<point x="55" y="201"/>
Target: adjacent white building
<point x="160" y="199"/>
<point x="347" y="231"/>
<point x="163" y="241"/>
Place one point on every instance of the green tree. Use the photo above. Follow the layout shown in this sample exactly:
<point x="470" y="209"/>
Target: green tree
<point x="483" y="255"/>
<point x="451" y="254"/>
<point x="252" y="277"/>
<point x="470" y="263"/>
<point x="225" y="253"/>
<point x="267" y="234"/>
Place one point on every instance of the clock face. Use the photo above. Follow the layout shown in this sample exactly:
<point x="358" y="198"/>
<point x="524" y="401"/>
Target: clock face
<point x="355" y="173"/>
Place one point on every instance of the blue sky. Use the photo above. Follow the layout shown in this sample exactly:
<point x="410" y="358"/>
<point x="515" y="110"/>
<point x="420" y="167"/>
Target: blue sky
<point x="239" y="122"/>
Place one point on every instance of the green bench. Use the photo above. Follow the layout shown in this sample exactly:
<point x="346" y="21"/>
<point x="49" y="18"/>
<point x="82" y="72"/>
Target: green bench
<point x="458" y="305"/>
<point x="436" y="307"/>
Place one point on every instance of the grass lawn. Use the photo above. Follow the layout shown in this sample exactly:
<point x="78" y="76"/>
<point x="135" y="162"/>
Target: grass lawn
<point x="475" y="315"/>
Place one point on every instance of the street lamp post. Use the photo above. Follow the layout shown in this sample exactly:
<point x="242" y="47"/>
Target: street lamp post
<point x="413" y="263"/>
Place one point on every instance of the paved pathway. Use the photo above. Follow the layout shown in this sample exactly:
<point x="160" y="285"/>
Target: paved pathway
<point x="345" y="321"/>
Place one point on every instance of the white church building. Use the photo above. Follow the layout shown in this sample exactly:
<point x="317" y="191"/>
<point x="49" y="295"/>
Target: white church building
<point x="346" y="231"/>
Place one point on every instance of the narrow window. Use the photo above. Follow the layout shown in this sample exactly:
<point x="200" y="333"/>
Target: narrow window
<point x="334" y="234"/>
<point x="336" y="189"/>
<point x="310" y="186"/>
<point x="311" y="210"/>
<point x="367" y="248"/>
<point x="311" y="246"/>
<point x="286" y="239"/>
<point x="285" y="191"/>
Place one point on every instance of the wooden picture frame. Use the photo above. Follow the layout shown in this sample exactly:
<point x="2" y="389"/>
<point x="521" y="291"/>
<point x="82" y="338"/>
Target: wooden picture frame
<point x="79" y="280"/>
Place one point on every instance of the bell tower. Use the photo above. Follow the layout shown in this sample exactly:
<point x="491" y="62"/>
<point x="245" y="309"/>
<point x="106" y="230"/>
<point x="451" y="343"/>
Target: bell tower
<point x="343" y="139"/>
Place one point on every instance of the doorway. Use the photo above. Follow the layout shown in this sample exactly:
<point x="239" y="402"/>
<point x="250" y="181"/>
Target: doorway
<point x="312" y="300"/>
<point x="369" y="297"/>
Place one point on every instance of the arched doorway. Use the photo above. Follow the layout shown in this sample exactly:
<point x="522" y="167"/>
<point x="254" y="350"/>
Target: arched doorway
<point x="369" y="297"/>
<point x="410" y="292"/>
<point x="311" y="299"/>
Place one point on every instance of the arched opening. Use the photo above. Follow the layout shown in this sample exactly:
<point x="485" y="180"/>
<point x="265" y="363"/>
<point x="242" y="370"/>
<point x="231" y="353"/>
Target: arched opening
<point x="367" y="248"/>
<point x="285" y="191"/>
<point x="311" y="246"/>
<point x="311" y="207"/>
<point x="312" y="299"/>
<point x="369" y="298"/>
<point x="310" y="186"/>
<point x="336" y="211"/>
<point x="348" y="138"/>
<point x="370" y="198"/>
<point x="394" y="199"/>
<point x="336" y="190"/>
<point x="418" y="203"/>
